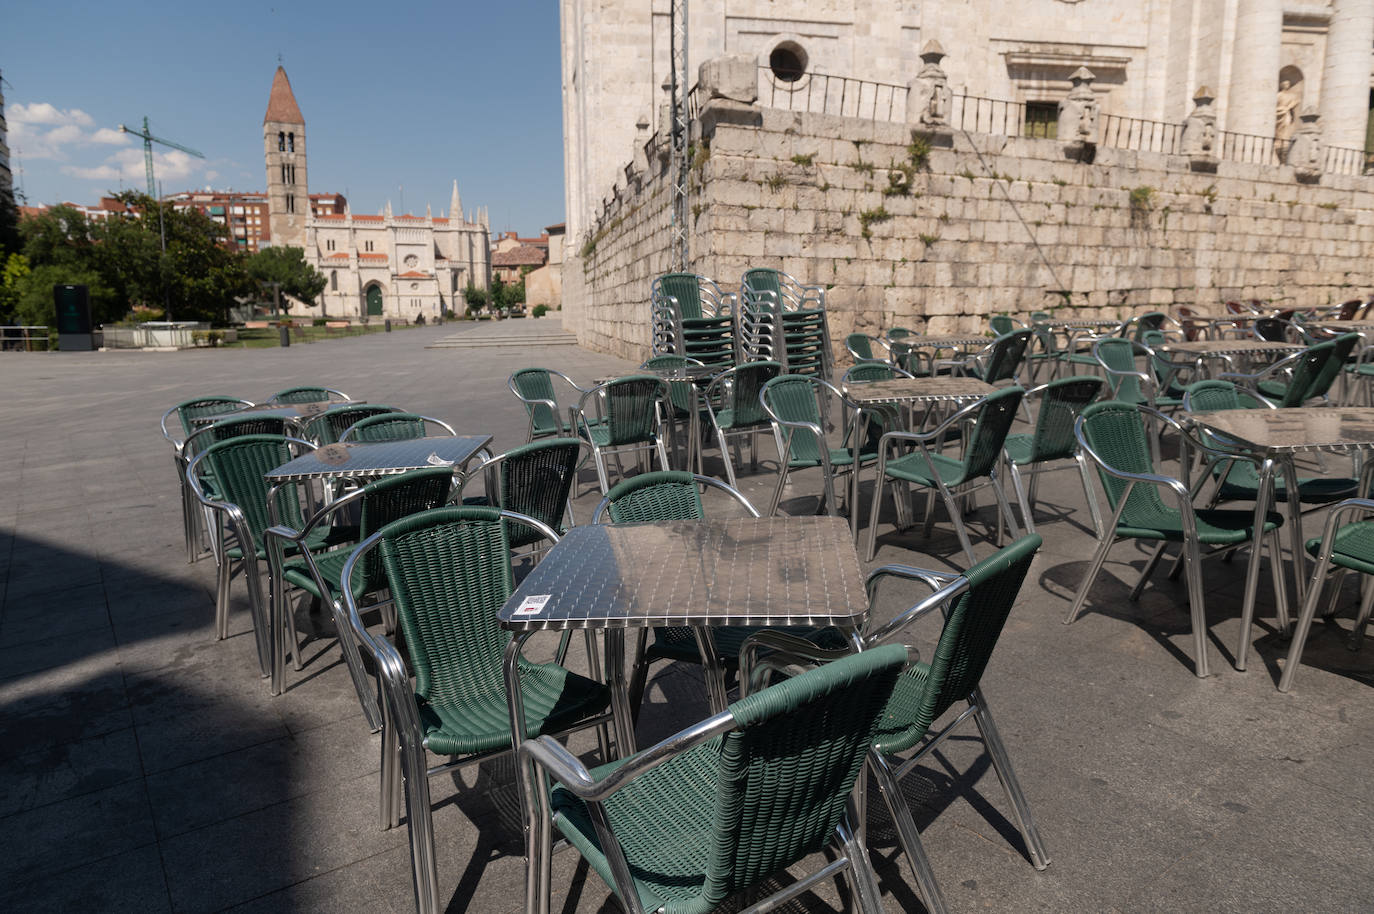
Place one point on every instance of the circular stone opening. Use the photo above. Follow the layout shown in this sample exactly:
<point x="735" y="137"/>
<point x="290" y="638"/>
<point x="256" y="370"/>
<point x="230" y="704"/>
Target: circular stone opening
<point x="788" y="62"/>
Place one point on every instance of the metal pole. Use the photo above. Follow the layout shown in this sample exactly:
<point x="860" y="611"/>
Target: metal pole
<point x="681" y="130"/>
<point x="162" y="260"/>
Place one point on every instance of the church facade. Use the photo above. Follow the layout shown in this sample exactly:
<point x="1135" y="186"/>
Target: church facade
<point x="1265" y="61"/>
<point x="387" y="265"/>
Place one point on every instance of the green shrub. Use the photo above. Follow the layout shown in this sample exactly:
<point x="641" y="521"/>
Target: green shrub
<point x="540" y="310"/>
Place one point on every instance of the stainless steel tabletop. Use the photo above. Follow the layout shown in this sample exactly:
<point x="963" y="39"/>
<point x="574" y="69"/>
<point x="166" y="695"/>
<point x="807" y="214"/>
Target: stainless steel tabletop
<point x="385" y="458"/>
<point x="912" y="390"/>
<point x="1277" y="431"/>
<point x="1082" y="323"/>
<point x="1232" y="347"/>
<point x="742" y="571"/>
<point x="303" y="411"/>
<point x="943" y="342"/>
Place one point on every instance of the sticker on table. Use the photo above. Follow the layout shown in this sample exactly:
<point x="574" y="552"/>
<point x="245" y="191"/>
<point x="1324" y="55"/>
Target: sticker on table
<point x="311" y="409"/>
<point x="332" y="455"/>
<point x="532" y="605"/>
<point x="435" y="460"/>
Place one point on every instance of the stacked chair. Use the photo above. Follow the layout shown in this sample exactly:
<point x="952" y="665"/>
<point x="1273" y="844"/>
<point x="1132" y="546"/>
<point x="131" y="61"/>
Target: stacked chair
<point x="783" y="321"/>
<point x="692" y="317"/>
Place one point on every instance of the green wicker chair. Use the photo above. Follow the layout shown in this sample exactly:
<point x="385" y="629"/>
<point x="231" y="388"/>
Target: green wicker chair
<point x="1238" y="480"/>
<point x="320" y="574"/>
<point x="693" y="317"/>
<point x="629" y="418"/>
<point x="533" y="387"/>
<point x="676" y="495"/>
<point x="1113" y="436"/>
<point x="992" y="418"/>
<point x="240" y="500"/>
<point x="395" y="427"/>
<point x="683" y="398"/>
<point x="860" y="348"/>
<point x="183" y="415"/>
<point x="734" y="410"/>
<point x="449" y="573"/>
<point x="328" y="428"/>
<point x="1002" y="324"/>
<point x="534" y="479"/>
<point x="1126" y="381"/>
<point x="1052" y="442"/>
<point x="310" y="395"/>
<point x="792" y="403"/>
<point x="721" y="806"/>
<point x="1309" y="373"/>
<point x="1341" y="547"/>
<point x="975" y="606"/>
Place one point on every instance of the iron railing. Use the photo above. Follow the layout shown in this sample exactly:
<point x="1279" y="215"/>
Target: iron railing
<point x="1141" y="135"/>
<point x="844" y="96"/>
<point x="975" y="114"/>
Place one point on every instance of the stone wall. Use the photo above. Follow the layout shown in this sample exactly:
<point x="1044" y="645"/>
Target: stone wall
<point x="982" y="225"/>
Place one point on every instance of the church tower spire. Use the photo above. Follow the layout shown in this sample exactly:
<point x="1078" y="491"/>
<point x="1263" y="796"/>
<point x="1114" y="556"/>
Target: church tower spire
<point x="455" y="204"/>
<point x="283" y="137"/>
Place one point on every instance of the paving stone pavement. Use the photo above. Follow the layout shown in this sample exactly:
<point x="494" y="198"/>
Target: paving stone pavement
<point x="147" y="768"/>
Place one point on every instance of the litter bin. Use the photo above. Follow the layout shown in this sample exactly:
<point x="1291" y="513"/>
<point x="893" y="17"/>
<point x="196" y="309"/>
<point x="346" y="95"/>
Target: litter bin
<point x="285" y="332"/>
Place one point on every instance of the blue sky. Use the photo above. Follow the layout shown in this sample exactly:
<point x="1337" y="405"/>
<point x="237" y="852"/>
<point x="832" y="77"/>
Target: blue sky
<point x="395" y="95"/>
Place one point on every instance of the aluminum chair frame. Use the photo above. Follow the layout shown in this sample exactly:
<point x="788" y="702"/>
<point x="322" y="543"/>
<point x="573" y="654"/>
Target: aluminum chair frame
<point x="584" y="425"/>
<point x="555" y="411"/>
<point x="669" y="331"/>
<point x="331" y="395"/>
<point x="492" y="469"/>
<point x="1026" y="495"/>
<point x="191" y="513"/>
<point x="924" y="441"/>
<point x="236" y="521"/>
<point x="728" y="379"/>
<point x="1315" y="589"/>
<point x="1191" y="547"/>
<point x="350" y="436"/>
<point x="404" y="764"/>
<point x="761" y="322"/>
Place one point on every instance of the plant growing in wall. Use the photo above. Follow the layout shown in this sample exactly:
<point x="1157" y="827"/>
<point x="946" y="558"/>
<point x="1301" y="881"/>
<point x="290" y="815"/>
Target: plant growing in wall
<point x="1142" y="201"/>
<point x="870" y="217"/>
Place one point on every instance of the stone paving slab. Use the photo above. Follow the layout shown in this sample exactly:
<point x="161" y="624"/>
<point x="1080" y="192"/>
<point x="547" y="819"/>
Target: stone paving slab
<point x="147" y="768"/>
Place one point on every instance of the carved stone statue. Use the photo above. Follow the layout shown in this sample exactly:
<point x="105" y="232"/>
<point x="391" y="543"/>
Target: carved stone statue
<point x="1078" y="112"/>
<point x="928" y="95"/>
<point x="1286" y="110"/>
<point x="1306" y="155"/>
<point x="1200" y="132"/>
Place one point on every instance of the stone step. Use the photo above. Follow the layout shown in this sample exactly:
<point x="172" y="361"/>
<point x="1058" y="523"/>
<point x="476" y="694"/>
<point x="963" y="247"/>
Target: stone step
<point x="485" y="341"/>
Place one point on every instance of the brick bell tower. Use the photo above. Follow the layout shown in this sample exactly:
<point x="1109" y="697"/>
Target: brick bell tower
<point x="283" y="138"/>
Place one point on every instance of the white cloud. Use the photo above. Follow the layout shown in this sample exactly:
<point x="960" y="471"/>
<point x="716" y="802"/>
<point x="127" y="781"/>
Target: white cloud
<point x="110" y="137"/>
<point x="44" y="113"/>
<point x="99" y="173"/>
<point x="43" y="131"/>
<point x="211" y="175"/>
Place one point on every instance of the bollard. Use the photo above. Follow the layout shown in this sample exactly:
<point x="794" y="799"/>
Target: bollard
<point x="388" y="325"/>
<point x="285" y="332"/>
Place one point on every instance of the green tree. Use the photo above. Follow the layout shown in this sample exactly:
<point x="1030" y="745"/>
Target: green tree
<point x="15" y="269"/>
<point x="33" y="303"/>
<point x="287" y="266"/>
<point x="507" y="294"/>
<point x="475" y="298"/>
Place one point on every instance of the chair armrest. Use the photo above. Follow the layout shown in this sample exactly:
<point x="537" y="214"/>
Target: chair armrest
<point x="785" y="650"/>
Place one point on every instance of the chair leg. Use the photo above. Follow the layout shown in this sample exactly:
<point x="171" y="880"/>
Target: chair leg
<point x="873" y="516"/>
<point x="601" y="470"/>
<point x="952" y="506"/>
<point x="420" y="825"/>
<point x="1150" y="564"/>
<point x="222" y="599"/>
<point x="1001" y="763"/>
<point x="1090" y="494"/>
<point x="639" y="676"/>
<point x="725" y="458"/>
<point x="1027" y="504"/>
<point x="777" y="492"/>
<point x="1082" y="597"/>
<point x="906" y="833"/>
<point x="1192" y="562"/>
<point x="1304" y="624"/>
<point x="862" y="880"/>
<point x="1003" y="504"/>
<point x="1362" y="620"/>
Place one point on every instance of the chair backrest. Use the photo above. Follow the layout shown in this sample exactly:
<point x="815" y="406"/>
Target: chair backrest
<point x="897" y="333"/>
<point x="536" y="479"/>
<point x="742" y="394"/>
<point x="686" y="288"/>
<point x="1211" y="395"/>
<point x="1117" y="355"/>
<point x="239" y="465"/>
<point x="1002" y="324"/>
<point x="662" y="495"/>
<point x="329" y="427"/>
<point x="787" y="770"/>
<point x="448" y="570"/>
<point x="972" y="626"/>
<point x="992" y="422"/>
<point x="680" y="394"/>
<point x="223" y="430"/>
<point x="1007" y="353"/>
<point x="1308" y="373"/>
<point x="1164" y="371"/>
<point x="188" y="411"/>
<point x="1341" y="347"/>
<point x="1061" y="402"/>
<point x="873" y="371"/>
<point x="309" y="395"/>
<point x="1116" y="433"/>
<point x="537" y="384"/>
<point x="764" y="287"/>
<point x="1274" y="330"/>
<point x="1152" y="320"/>
<point x="792" y="398"/>
<point x="860" y="346"/>
<point x="631" y="405"/>
<point x="392" y="427"/>
<point x="391" y="498"/>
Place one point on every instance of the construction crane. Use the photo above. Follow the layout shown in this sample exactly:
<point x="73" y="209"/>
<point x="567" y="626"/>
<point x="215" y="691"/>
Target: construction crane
<point x="148" y="141"/>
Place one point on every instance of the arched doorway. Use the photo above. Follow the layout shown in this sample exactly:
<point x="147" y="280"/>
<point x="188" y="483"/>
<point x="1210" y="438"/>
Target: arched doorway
<point x="374" y="300"/>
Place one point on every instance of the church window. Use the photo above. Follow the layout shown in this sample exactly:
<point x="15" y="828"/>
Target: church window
<point x="281" y="141"/>
<point x="367" y="246"/>
<point x="290" y="203"/>
<point x="333" y="280"/>
<point x="1042" y="120"/>
<point x="788" y="62"/>
<point x="291" y="142"/>
<point x="329" y="244"/>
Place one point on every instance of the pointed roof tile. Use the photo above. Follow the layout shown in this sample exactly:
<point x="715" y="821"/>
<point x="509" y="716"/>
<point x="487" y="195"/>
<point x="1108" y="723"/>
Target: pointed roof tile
<point x="281" y="104"/>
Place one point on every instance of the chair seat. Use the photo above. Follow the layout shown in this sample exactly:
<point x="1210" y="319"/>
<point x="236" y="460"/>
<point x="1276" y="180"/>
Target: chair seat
<point x="668" y="855"/>
<point x="1021" y="449"/>
<point x="1353" y="548"/>
<point x="839" y="457"/>
<point x="1242" y="484"/>
<point x="1214" y="527"/>
<point x="915" y="468"/>
<point x="725" y="418"/>
<point x="1274" y="390"/>
<point x="599" y="434"/>
<point x="330" y="564"/>
<point x="319" y="538"/>
<point x="895" y="730"/>
<point x="679" y="643"/>
<point x="555" y="699"/>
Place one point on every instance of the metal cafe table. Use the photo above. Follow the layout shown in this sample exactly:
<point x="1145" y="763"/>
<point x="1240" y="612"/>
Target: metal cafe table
<point x="764" y="571"/>
<point x="1277" y="436"/>
<point x="384" y="458"/>
<point x="1199" y="351"/>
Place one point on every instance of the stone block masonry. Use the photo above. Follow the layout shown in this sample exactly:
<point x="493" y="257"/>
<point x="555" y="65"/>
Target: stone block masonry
<point x="977" y="224"/>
